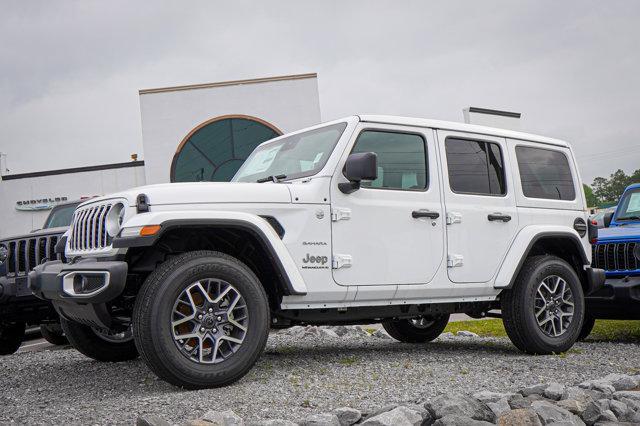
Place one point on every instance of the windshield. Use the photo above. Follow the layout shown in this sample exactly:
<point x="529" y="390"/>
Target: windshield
<point x="60" y="216"/>
<point x="291" y="157"/>
<point x="629" y="207"/>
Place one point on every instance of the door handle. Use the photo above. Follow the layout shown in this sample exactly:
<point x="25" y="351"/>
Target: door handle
<point x="499" y="217"/>
<point x="416" y="214"/>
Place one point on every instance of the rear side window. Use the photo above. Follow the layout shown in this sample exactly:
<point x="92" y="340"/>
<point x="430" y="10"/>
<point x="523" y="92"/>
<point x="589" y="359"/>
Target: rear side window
<point x="475" y="167"/>
<point x="402" y="159"/>
<point x="545" y="173"/>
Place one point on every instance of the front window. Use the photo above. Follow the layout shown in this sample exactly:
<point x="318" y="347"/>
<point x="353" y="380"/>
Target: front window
<point x="629" y="206"/>
<point x="60" y="216"/>
<point x="291" y="157"/>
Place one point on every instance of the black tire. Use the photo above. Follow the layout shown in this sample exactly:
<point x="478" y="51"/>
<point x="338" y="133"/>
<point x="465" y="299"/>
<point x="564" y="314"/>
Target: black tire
<point x="11" y="336"/>
<point x="154" y="311"/>
<point x="406" y="331"/>
<point x="99" y="347"/>
<point x="587" y="327"/>
<point x="518" y="307"/>
<point x="53" y="334"/>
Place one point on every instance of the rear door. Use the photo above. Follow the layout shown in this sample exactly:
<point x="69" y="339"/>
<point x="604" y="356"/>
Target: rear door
<point x="482" y="219"/>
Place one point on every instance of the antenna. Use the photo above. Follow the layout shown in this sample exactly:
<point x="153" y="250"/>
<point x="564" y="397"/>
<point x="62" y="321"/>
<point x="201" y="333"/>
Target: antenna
<point x="4" y="169"/>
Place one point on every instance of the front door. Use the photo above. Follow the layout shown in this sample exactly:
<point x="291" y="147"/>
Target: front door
<point x="480" y="201"/>
<point x="391" y="230"/>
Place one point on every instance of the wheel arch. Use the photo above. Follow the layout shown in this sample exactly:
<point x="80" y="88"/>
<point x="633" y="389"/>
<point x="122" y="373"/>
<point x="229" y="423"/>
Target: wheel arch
<point x="254" y="240"/>
<point x="565" y="244"/>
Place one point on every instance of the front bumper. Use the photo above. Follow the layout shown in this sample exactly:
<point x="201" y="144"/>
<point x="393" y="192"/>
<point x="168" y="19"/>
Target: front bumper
<point x="17" y="303"/>
<point x="618" y="299"/>
<point x="80" y="291"/>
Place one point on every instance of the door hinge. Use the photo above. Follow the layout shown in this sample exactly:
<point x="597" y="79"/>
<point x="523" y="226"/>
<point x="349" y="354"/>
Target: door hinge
<point x="341" y="261"/>
<point x="453" y="217"/>
<point x="454" y="260"/>
<point x="340" y="214"/>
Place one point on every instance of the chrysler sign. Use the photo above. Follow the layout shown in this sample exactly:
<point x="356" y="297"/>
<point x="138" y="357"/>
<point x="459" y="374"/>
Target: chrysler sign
<point x="40" y="203"/>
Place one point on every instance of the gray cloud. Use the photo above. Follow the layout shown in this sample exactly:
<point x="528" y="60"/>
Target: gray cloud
<point x="70" y="71"/>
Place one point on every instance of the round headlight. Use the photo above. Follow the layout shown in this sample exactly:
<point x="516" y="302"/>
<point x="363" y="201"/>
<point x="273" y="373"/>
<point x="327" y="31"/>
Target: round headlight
<point x="115" y="217"/>
<point x="4" y="252"/>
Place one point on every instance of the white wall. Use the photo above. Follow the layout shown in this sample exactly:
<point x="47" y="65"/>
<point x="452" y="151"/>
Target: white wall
<point x="168" y="116"/>
<point x="71" y="185"/>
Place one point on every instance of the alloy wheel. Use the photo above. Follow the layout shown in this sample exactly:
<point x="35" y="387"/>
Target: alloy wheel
<point x="554" y="306"/>
<point x="209" y="321"/>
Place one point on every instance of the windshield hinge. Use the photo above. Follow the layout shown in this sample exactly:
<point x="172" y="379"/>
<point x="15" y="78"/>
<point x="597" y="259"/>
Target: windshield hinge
<point x="454" y="260"/>
<point x="340" y="214"/>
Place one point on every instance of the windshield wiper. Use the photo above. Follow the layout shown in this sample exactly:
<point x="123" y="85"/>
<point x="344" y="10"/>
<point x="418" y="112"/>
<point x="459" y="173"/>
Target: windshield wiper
<point x="274" y="179"/>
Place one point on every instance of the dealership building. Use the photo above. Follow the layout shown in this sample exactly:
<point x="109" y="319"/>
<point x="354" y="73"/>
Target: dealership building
<point x="192" y="133"/>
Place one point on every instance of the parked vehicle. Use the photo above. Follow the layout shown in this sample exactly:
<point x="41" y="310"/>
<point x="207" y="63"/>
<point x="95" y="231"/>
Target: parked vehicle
<point x="617" y="251"/>
<point x="365" y="219"/>
<point x="598" y="218"/>
<point x="18" y="255"/>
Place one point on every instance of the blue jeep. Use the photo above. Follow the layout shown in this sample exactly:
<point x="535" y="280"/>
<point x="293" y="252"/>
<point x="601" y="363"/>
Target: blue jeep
<point x="617" y="251"/>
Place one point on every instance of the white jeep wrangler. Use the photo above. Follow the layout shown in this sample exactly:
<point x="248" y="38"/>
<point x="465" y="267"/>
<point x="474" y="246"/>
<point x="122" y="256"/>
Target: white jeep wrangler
<point x="361" y="220"/>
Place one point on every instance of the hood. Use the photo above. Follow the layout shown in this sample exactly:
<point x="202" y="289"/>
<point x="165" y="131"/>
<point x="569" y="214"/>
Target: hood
<point x="205" y="192"/>
<point x="38" y="233"/>
<point x="617" y="233"/>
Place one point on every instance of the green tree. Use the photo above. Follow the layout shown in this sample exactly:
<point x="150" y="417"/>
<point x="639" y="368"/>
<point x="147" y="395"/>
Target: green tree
<point x="609" y="190"/>
<point x="592" y="200"/>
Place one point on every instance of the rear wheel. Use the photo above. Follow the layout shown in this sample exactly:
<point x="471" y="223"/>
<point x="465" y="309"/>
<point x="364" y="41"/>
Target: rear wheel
<point x="587" y="327"/>
<point x="11" y="335"/>
<point x="543" y="312"/>
<point x="416" y="330"/>
<point x="201" y="320"/>
<point x="53" y="334"/>
<point x="101" y="346"/>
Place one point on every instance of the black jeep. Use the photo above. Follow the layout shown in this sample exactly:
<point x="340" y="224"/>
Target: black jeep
<point x="19" y="255"/>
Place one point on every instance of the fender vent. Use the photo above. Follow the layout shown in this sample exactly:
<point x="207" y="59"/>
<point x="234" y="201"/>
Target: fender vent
<point x="275" y="225"/>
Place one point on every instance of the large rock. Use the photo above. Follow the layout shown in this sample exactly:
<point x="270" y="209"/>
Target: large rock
<point x="598" y="411"/>
<point x="534" y="390"/>
<point x="519" y="417"/>
<point x="347" y="416"/>
<point x="456" y="420"/>
<point x="151" y="420"/>
<point x="499" y="407"/>
<point x="459" y="405"/>
<point x="399" y="416"/>
<point x="575" y="406"/>
<point x="273" y="422"/>
<point x="599" y="385"/>
<point x="550" y="413"/>
<point x="632" y="395"/>
<point x="583" y="395"/>
<point x="517" y="401"/>
<point x="223" y="418"/>
<point x="620" y="382"/>
<point x="488" y="396"/>
<point x="324" y="419"/>
<point x="554" y="391"/>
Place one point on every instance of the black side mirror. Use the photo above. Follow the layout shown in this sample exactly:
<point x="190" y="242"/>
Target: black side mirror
<point x="359" y="167"/>
<point x="606" y="219"/>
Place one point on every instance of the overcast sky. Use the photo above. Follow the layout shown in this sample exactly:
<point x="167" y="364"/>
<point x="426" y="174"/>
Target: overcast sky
<point x="70" y="71"/>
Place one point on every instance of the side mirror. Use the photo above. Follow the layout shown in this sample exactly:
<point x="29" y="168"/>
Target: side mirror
<point x="359" y="167"/>
<point x="606" y="219"/>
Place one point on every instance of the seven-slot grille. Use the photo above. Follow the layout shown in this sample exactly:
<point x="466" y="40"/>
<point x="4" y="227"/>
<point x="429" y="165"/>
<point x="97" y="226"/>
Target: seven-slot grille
<point x="615" y="256"/>
<point x="89" y="228"/>
<point x="27" y="253"/>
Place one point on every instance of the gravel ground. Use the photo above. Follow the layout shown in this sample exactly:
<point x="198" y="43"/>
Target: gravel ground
<point x="295" y="377"/>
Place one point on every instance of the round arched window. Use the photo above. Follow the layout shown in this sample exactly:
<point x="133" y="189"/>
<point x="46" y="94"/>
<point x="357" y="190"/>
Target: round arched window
<point x="215" y="150"/>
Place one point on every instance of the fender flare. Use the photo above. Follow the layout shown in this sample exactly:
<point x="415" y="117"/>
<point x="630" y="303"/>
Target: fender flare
<point x="256" y="225"/>
<point x="522" y="245"/>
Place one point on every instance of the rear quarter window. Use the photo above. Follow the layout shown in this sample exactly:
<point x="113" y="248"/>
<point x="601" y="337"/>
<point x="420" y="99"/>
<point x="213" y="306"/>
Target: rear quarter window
<point x="545" y="173"/>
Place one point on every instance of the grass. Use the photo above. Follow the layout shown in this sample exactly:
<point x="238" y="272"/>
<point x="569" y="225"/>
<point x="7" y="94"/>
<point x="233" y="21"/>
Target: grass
<point x="604" y="330"/>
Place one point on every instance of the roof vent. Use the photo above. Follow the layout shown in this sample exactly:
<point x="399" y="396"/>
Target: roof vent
<point x="492" y="118"/>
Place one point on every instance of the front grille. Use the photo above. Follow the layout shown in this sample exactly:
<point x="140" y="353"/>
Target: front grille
<point x="89" y="228"/>
<point x="617" y="257"/>
<point x="27" y="253"/>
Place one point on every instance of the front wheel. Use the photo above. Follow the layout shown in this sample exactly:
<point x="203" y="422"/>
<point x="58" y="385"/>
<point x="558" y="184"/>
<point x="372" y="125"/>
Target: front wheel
<point x="11" y="335"/>
<point x="416" y="330"/>
<point x="201" y="320"/>
<point x="99" y="345"/>
<point x="543" y="312"/>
